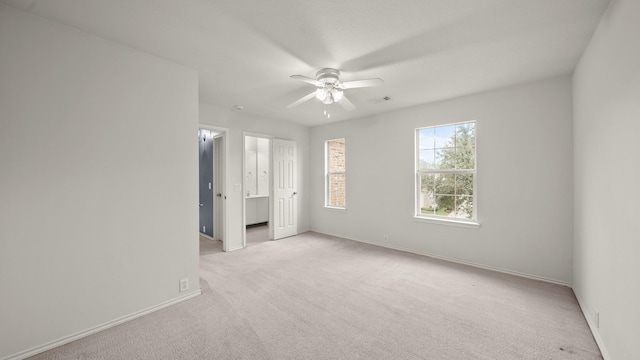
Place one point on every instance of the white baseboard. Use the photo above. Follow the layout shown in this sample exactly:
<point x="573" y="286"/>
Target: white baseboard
<point x="206" y="236"/>
<point x="67" y="339"/>
<point x="593" y="328"/>
<point x="453" y="260"/>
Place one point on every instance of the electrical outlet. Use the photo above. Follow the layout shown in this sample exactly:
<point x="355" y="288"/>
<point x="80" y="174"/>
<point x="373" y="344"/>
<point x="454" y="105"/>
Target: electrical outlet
<point x="596" y="319"/>
<point x="386" y="238"/>
<point x="184" y="284"/>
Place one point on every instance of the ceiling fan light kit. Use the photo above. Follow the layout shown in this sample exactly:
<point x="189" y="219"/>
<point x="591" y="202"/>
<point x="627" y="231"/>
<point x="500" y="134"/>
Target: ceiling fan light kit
<point x="330" y="89"/>
<point x="328" y="94"/>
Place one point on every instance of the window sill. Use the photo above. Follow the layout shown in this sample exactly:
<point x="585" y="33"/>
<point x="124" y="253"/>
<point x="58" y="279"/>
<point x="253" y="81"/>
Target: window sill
<point x="449" y="222"/>
<point x="334" y="208"/>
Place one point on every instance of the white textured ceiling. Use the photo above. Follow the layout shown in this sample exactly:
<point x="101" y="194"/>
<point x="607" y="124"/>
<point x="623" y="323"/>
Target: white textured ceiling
<point x="424" y="50"/>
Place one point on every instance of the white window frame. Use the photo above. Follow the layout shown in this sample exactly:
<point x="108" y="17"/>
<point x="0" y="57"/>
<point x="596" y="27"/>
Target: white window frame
<point x="327" y="182"/>
<point x="439" y="219"/>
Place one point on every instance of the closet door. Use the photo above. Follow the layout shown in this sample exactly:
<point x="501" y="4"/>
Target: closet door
<point x="284" y="189"/>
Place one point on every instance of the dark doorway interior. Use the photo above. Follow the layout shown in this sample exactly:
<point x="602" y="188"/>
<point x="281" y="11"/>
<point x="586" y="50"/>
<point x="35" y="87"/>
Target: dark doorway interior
<point x="205" y="140"/>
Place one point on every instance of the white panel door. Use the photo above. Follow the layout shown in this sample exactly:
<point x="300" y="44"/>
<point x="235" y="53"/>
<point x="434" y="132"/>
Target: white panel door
<point x="285" y="219"/>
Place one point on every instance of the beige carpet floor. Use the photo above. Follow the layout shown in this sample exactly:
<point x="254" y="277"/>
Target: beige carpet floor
<point x="314" y="296"/>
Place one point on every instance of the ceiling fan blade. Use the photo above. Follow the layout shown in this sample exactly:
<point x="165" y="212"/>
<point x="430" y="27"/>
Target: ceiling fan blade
<point x="306" y="79"/>
<point x="301" y="100"/>
<point x="346" y="104"/>
<point x="361" y="83"/>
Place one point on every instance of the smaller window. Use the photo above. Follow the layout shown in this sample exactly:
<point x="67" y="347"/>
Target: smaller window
<point x="336" y="177"/>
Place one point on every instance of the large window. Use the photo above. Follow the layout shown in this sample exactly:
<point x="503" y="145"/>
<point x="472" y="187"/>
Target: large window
<point x="446" y="172"/>
<point x="336" y="177"/>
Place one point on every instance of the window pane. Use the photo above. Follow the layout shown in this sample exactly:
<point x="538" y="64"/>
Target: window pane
<point x="426" y="138"/>
<point x="445" y="136"/>
<point x="445" y="184"/>
<point x="445" y="159"/>
<point x="427" y="183"/>
<point x="427" y="160"/>
<point x="445" y="204"/>
<point x="465" y="158"/>
<point x="464" y="207"/>
<point x="445" y="191"/>
<point x="427" y="194"/>
<point x="337" y="190"/>
<point x="336" y="156"/>
<point x="464" y="184"/>
<point x="466" y="134"/>
<point x="465" y="146"/>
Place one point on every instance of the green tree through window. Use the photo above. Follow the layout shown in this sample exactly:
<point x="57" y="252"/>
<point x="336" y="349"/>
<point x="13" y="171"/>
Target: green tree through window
<point x="446" y="170"/>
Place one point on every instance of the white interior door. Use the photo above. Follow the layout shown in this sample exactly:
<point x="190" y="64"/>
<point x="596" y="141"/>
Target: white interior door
<point x="285" y="219"/>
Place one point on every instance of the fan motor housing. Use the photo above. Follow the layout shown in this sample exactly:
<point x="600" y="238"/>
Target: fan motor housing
<point x="328" y="76"/>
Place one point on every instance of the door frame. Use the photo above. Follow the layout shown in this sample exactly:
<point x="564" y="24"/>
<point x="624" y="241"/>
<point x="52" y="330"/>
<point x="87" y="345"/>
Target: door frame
<point x="221" y="166"/>
<point x="244" y="183"/>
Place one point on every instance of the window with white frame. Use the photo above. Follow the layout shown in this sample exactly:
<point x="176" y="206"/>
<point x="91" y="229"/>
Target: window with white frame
<point x="336" y="178"/>
<point x="446" y="171"/>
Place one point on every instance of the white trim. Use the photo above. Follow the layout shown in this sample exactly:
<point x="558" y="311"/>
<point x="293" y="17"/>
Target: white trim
<point x="234" y="249"/>
<point x="258" y="135"/>
<point x="335" y="208"/>
<point x="109" y="324"/>
<point x="243" y="196"/>
<point x="447" y="221"/>
<point x="593" y="328"/>
<point x="207" y="237"/>
<point x="457" y="261"/>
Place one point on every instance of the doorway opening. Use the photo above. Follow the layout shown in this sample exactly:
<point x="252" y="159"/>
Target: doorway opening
<point x="257" y="185"/>
<point x="212" y="150"/>
<point x="270" y="183"/>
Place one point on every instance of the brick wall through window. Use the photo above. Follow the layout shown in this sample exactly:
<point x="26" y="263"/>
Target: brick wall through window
<point x="336" y="173"/>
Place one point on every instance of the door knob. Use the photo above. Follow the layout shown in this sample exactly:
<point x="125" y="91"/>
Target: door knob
<point x="201" y="204"/>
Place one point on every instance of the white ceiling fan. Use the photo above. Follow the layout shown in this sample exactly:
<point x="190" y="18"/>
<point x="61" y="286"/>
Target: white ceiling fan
<point x="330" y="89"/>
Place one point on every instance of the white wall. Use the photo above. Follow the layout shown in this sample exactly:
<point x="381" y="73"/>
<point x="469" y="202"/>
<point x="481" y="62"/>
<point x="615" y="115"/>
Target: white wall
<point x="524" y="146"/>
<point x="607" y="173"/>
<point x="98" y="181"/>
<point x="238" y="122"/>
